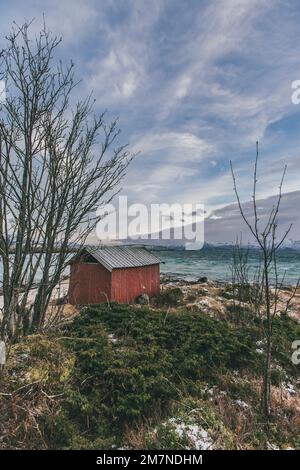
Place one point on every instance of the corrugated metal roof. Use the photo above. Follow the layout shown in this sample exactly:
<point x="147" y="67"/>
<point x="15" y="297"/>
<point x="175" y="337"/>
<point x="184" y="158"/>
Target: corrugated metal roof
<point x="114" y="257"/>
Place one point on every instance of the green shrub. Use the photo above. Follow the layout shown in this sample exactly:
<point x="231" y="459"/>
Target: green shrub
<point x="155" y="359"/>
<point x="170" y="297"/>
<point x="117" y="366"/>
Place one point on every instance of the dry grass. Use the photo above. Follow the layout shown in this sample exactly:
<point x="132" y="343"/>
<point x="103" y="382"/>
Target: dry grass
<point x="32" y="387"/>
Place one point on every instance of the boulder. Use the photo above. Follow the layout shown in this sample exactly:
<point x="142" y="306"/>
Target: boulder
<point x="143" y="299"/>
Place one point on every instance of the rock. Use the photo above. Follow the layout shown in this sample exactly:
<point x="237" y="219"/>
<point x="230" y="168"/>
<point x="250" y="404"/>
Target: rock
<point x="169" y="278"/>
<point x="233" y="303"/>
<point x="202" y="279"/>
<point x="143" y="299"/>
<point x="207" y="305"/>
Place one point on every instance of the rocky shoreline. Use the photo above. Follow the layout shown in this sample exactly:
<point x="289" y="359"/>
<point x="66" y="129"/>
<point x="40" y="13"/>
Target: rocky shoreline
<point x="218" y="298"/>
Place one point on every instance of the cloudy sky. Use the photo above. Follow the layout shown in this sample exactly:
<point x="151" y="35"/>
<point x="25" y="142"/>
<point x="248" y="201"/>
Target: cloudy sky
<point x="194" y="82"/>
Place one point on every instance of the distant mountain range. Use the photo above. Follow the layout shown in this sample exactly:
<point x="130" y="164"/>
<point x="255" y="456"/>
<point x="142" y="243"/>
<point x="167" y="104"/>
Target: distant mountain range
<point x="224" y="225"/>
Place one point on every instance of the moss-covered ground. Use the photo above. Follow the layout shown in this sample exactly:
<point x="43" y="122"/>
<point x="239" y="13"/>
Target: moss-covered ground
<point x="127" y="376"/>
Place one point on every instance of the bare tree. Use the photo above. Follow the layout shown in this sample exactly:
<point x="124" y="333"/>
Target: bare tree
<point x="57" y="165"/>
<point x="246" y="279"/>
<point x="269" y="244"/>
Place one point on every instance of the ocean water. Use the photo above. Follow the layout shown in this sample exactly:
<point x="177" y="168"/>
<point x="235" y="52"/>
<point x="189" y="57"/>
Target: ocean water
<point x="216" y="263"/>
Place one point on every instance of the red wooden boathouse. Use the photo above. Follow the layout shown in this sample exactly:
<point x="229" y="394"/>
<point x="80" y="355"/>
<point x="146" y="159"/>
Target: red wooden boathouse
<point x="119" y="273"/>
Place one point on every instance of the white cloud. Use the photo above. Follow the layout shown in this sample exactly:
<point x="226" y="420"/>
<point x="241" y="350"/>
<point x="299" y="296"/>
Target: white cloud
<point x="182" y="146"/>
<point x="115" y="77"/>
<point x="182" y="87"/>
<point x="194" y="86"/>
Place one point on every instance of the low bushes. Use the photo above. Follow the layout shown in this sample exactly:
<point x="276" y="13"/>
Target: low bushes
<point x="170" y="297"/>
<point x="154" y="359"/>
<point x="118" y="367"/>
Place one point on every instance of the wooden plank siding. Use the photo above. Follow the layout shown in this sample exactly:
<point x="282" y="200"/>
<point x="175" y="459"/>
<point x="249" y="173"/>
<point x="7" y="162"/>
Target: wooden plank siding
<point x="92" y="283"/>
<point x="128" y="283"/>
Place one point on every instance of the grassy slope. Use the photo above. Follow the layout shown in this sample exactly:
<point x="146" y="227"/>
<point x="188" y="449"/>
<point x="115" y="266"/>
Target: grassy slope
<point x="130" y="376"/>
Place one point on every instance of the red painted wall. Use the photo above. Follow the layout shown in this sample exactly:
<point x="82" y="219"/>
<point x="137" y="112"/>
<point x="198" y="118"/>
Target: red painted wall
<point x="129" y="283"/>
<point x="90" y="283"/>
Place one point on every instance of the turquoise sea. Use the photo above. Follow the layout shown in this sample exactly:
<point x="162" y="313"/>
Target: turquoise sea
<point x="215" y="262"/>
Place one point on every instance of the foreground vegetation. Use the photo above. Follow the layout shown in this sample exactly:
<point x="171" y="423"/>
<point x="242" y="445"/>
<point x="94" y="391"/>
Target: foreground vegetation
<point x="141" y="377"/>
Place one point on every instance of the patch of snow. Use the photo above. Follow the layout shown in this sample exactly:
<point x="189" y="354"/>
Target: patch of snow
<point x="272" y="446"/>
<point x="290" y="389"/>
<point x="112" y="338"/>
<point x="241" y="403"/>
<point x="23" y="356"/>
<point x="260" y="346"/>
<point x="199" y="438"/>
